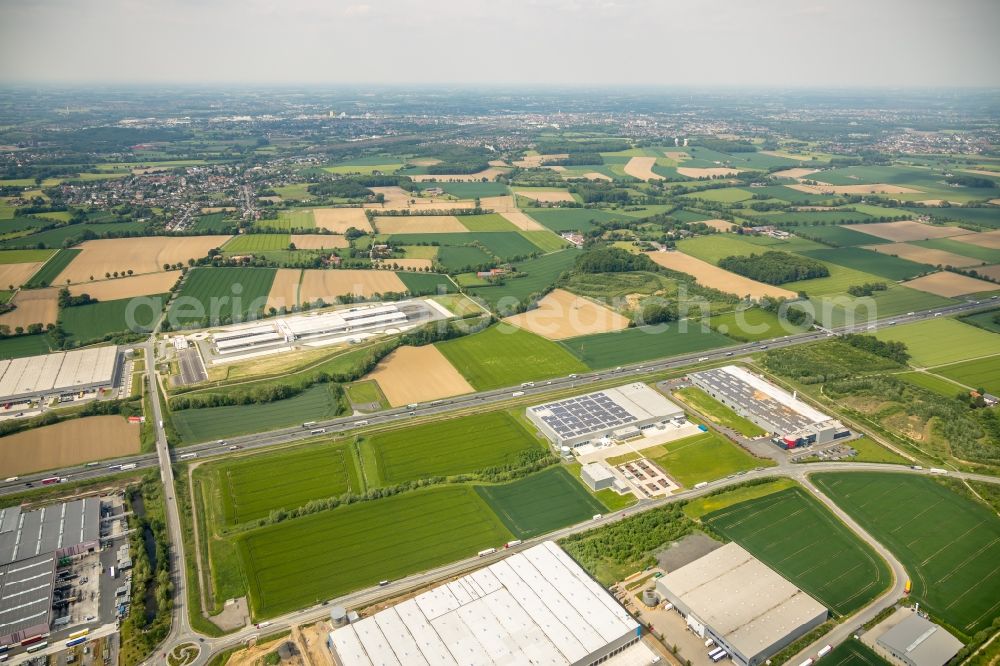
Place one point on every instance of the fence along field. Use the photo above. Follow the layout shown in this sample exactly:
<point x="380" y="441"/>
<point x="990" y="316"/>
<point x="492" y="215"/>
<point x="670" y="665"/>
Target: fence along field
<point x="456" y="446"/>
<point x="251" y="489"/>
<point x="304" y="561"/>
<point x="796" y="536"/>
<point x="949" y="545"/>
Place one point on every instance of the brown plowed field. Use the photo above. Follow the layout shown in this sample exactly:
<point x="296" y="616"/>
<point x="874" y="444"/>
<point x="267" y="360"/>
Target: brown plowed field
<point x="642" y="168"/>
<point x="924" y="255"/>
<point x="419" y="224"/>
<point x="562" y="315"/>
<point x="17" y="274"/>
<point x="712" y="276"/>
<point x="339" y="220"/>
<point x="328" y="285"/>
<point x="318" y="241"/>
<point x="285" y="289"/>
<point x="68" y="443"/>
<point x="906" y="230"/>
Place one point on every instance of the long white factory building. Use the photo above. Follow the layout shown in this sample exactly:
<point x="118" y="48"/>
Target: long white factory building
<point x="534" y="607"/>
<point x="51" y="375"/>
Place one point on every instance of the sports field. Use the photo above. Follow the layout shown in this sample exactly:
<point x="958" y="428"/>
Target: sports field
<point x="304" y="561"/>
<point x="980" y="373"/>
<point x="314" y="404"/>
<point x="799" y="538"/>
<point x="703" y="457"/>
<point x="257" y="243"/>
<point x="924" y="340"/>
<point x="540" y="503"/>
<point x="250" y="488"/>
<point x="718" y="413"/>
<point x="442" y="448"/>
<point x="949" y="545"/>
<point x="222" y="293"/>
<point x="634" y="345"/>
<point x="507" y="356"/>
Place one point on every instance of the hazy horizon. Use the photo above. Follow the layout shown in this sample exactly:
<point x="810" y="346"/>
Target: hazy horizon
<point x="772" y="44"/>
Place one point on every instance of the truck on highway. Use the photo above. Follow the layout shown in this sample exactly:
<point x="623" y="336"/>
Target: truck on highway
<point x="188" y="456"/>
<point x="517" y="394"/>
<point x="50" y="480"/>
<point x="511" y="544"/>
<point x="317" y="431"/>
<point x="823" y="651"/>
<point x="128" y="466"/>
<point x="938" y="470"/>
<point x="702" y="484"/>
<point x="488" y="551"/>
<point x="308" y="424"/>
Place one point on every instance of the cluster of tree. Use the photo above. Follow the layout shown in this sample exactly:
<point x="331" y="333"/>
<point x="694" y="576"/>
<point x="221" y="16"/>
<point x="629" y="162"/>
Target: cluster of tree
<point x="613" y="260"/>
<point x="527" y="462"/>
<point x="775" y="267"/>
<point x="67" y="300"/>
<point x="784" y="307"/>
<point x="726" y="145"/>
<point x="342" y="188"/>
<point x="592" y="192"/>
<point x="824" y="361"/>
<point x="890" y="349"/>
<point x="657" y="313"/>
<point x="971" y="181"/>
<point x="607" y="145"/>
<point x="866" y="289"/>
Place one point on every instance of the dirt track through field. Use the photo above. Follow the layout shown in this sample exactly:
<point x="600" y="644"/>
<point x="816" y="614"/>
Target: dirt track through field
<point x="906" y="230"/>
<point x="417" y="374"/>
<point x="950" y="284"/>
<point x="924" y="255"/>
<point x="127" y="287"/>
<point x="553" y="196"/>
<point x="68" y="443"/>
<point x="339" y="220"/>
<point x="706" y="172"/>
<point x="642" y="168"/>
<point x="561" y="314"/>
<point x="140" y="255"/>
<point x="419" y="224"/>
<point x="328" y="285"/>
<point x="34" y="306"/>
<point x="318" y="241"/>
<point x="284" y="290"/>
<point x="709" y="275"/>
<point x="17" y="274"/>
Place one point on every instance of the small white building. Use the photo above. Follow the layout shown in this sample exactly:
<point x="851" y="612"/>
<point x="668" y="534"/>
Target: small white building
<point x="597" y="476"/>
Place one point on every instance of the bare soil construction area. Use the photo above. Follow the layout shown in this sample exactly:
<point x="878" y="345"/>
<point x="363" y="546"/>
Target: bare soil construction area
<point x="488" y="174"/>
<point x="140" y="255"/>
<point x="562" y="315"/>
<point x="924" y="255"/>
<point x="285" y="289"/>
<point x="876" y="188"/>
<point x="950" y="284"/>
<point x="642" y="168"/>
<point x="68" y="443"/>
<point x="33" y="306"/>
<point x="419" y="224"/>
<point x="712" y="276"/>
<point x="906" y="230"/>
<point x="318" y="241"/>
<point x="707" y="172"/>
<point x="328" y="285"/>
<point x="17" y="274"/>
<point x="417" y="374"/>
<point x="127" y="287"/>
<point x="551" y="196"/>
<point x="339" y="220"/>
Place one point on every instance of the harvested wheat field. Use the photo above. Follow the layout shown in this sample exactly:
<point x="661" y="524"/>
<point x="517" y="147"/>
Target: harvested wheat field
<point x="533" y="161"/>
<point x="678" y="155"/>
<point x="339" y="220"/>
<point x="950" y="284"/>
<point x="419" y="224"/>
<point x="34" y="306"/>
<point x="501" y="204"/>
<point x="18" y="274"/>
<point x="718" y="225"/>
<point x="924" y="255"/>
<point x="877" y="188"/>
<point x="285" y="289"/>
<point x="714" y="277"/>
<point x="992" y="272"/>
<point x="562" y="315"/>
<point x="593" y="175"/>
<point x="68" y="443"/>
<point x="488" y="174"/>
<point x="522" y="221"/>
<point x="127" y="287"/>
<point x="797" y="172"/>
<point x="140" y="255"/>
<point x="318" y="241"/>
<point x="709" y="172"/>
<point x="990" y="239"/>
<point x="407" y="264"/>
<point x="642" y="168"/>
<point x="550" y="196"/>
<point x="425" y="161"/>
<point x="417" y="374"/>
<point x="328" y="285"/>
<point x="396" y="198"/>
<point x="906" y="230"/>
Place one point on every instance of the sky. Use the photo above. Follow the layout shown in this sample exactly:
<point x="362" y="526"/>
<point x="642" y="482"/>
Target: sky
<point x="767" y="43"/>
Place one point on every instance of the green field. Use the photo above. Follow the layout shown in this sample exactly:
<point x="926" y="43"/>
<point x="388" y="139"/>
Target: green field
<point x="723" y="195"/>
<point x="634" y="345"/>
<point x="470" y="190"/>
<point x="70" y="234"/>
<point x="837" y="282"/>
<point x="443" y="448"/>
<point x="883" y="265"/>
<point x="853" y="653"/>
<point x="572" y="219"/>
<point x="507" y="356"/>
<point x="505" y="245"/>
<point x="949" y="545"/>
<point x="981" y="373"/>
<point x="799" y="538"/>
<point x="537" y="274"/>
<point x="454" y="258"/>
<point x="715" y="247"/>
<point x="224" y="295"/>
<point x="941" y="340"/>
<point x="839" y="236"/>
<point x="250" y="488"/>
<point x="299" y="191"/>
<point x="52" y="268"/>
<point x="94" y="321"/>
<point x="213" y="222"/>
<point x="932" y="382"/>
<point x="295" y="218"/>
<point x="955" y="245"/>
<point x="20" y="346"/>
<point x="983" y="320"/>
<point x="257" y="243"/>
<point x="718" y="413"/>
<point x="985" y="217"/>
<point x="489" y="222"/>
<point x="546" y="241"/>
<point x="24" y="256"/>
<point x="421" y="284"/>
<point x="301" y="562"/>
<point x="705" y="457"/>
<point x="541" y="503"/>
<point x="314" y="404"/>
<point x="366" y="394"/>
<point x="833" y="311"/>
<point x="752" y="325"/>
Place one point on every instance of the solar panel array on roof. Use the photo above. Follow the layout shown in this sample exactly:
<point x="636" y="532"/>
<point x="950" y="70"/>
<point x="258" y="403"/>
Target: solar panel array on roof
<point x="584" y="414"/>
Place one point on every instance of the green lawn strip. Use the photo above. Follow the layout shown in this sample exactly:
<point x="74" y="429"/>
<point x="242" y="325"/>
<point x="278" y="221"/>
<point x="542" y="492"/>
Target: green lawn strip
<point x="718" y="413"/>
<point x="366" y="393"/>
<point x="52" y="268"/>
<point x="933" y="382"/>
<point x="607" y="496"/>
<point x="488" y="222"/>
<point x="705" y="457"/>
<point x="422" y="284"/>
<point x="24" y="345"/>
<point x="24" y="256"/>
<point x="854" y="653"/>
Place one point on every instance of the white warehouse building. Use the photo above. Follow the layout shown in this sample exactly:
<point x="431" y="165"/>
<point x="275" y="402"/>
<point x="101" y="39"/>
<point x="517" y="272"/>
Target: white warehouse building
<point x="62" y="373"/>
<point x="621" y="412"/>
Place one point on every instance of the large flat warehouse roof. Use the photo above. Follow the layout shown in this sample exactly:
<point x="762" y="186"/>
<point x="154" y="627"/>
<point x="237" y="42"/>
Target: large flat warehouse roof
<point x="535" y="607"/>
<point x="741" y="599"/>
<point x="31" y="533"/>
<point x="62" y="371"/>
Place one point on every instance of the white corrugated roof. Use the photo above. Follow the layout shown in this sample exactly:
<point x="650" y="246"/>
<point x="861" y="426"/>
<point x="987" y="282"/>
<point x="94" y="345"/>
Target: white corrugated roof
<point x="345" y="641"/>
<point x="399" y="637"/>
<point x="430" y="644"/>
<point x="376" y="646"/>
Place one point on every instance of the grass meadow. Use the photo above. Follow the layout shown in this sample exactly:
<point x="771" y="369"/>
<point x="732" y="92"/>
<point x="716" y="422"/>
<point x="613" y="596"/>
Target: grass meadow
<point x="924" y="340"/>
<point x="705" y="457"/>
<point x="94" y="321"/>
<point x="634" y="345"/>
<point x="257" y="243"/>
<point x="718" y="413"/>
<point x="980" y="373"/>
<point x="52" y="268"/>
<point x="206" y="284"/>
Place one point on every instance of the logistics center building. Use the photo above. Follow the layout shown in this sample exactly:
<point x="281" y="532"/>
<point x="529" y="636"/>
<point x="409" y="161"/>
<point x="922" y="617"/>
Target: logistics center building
<point x="534" y="607"/>
<point x="622" y="412"/>
<point x="793" y="422"/>
<point x="733" y="598"/>
<point x="62" y="373"/>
